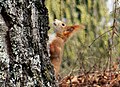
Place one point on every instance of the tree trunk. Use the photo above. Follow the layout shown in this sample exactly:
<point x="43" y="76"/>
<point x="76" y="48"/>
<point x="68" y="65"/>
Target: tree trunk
<point x="24" y="59"/>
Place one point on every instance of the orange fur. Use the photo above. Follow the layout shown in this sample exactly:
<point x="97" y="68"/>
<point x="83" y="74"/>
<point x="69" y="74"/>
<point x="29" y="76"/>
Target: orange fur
<point x="63" y="33"/>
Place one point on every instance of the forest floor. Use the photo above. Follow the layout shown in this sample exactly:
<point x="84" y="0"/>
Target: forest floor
<point x="94" y="79"/>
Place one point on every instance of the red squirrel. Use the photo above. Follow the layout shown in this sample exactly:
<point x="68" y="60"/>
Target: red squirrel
<point x="63" y="32"/>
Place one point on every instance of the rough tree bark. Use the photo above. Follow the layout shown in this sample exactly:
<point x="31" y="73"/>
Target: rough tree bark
<point x="24" y="59"/>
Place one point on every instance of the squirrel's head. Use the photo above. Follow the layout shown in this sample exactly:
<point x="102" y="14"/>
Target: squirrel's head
<point x="58" y="26"/>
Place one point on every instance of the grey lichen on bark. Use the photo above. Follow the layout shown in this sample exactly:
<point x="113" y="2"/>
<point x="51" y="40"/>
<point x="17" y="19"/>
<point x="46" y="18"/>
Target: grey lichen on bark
<point x="26" y="40"/>
<point x="4" y="59"/>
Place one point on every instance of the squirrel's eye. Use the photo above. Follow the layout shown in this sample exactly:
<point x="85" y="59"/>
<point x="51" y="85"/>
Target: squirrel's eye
<point x="63" y="24"/>
<point x="54" y="24"/>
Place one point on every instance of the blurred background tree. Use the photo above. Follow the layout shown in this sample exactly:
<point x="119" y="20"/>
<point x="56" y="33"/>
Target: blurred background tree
<point x="82" y="52"/>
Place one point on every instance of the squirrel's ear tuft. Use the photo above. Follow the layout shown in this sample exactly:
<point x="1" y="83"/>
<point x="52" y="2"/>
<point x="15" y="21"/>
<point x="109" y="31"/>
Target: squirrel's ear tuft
<point x="81" y="26"/>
